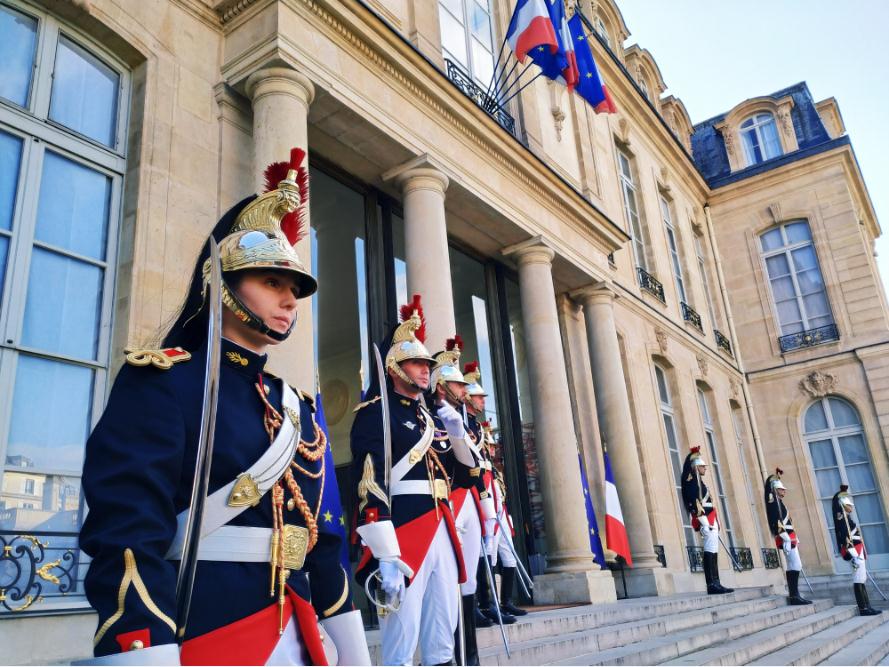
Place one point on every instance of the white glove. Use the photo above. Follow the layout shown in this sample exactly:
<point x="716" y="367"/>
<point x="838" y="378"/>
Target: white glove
<point x="452" y="419"/>
<point x="489" y="544"/>
<point x="787" y="545"/>
<point x="705" y="524"/>
<point x="856" y="562"/>
<point x="393" y="580"/>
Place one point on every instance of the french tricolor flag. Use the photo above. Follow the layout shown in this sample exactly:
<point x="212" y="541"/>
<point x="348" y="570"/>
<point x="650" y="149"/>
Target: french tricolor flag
<point x="531" y="27"/>
<point x="615" y="531"/>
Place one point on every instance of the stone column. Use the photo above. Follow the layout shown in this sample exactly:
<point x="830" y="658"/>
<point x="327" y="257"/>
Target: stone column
<point x="616" y="426"/>
<point x="281" y="99"/>
<point x="569" y="561"/>
<point x="423" y="188"/>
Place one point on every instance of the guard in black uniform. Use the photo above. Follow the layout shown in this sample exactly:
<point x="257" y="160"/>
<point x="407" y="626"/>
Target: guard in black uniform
<point x="851" y="546"/>
<point x="268" y="569"/>
<point x="412" y="562"/>
<point x="781" y="526"/>
<point x="702" y="508"/>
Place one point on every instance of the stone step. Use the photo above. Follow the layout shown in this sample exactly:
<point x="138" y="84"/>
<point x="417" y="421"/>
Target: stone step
<point x="661" y="649"/>
<point x="822" y="645"/>
<point x="870" y="649"/>
<point x="750" y="646"/>
<point x="555" y="622"/>
<point x="594" y="640"/>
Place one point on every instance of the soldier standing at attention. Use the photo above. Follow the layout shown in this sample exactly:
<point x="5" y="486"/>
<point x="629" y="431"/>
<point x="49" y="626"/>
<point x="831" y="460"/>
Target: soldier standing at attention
<point x="781" y="526"/>
<point x="851" y="546"/>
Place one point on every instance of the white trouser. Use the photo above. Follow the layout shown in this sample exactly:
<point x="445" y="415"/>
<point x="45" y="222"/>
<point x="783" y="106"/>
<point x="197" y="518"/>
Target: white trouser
<point x="469" y="528"/>
<point x="503" y="542"/>
<point x="429" y="611"/>
<point x="710" y="535"/>
<point x="793" y="560"/>
<point x="859" y="575"/>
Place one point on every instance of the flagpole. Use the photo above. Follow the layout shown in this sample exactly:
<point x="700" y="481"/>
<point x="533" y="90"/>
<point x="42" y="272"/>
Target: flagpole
<point x="503" y="79"/>
<point x="496" y="65"/>
<point x="532" y="80"/>
<point x="518" y="78"/>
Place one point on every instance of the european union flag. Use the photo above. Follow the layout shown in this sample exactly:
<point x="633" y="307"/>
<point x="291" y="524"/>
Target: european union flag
<point x="595" y="540"/>
<point x="589" y="87"/>
<point x="331" y="516"/>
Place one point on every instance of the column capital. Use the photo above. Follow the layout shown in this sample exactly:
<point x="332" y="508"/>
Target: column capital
<point x="601" y="292"/>
<point x="280" y="81"/>
<point x="536" y="250"/>
<point x="420" y="173"/>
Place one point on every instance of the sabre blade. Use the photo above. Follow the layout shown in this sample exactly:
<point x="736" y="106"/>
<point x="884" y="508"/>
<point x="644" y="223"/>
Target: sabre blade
<point x="387" y="426"/>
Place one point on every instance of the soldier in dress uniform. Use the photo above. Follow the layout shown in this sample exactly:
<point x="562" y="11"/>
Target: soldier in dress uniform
<point x="404" y="519"/>
<point x="781" y="526"/>
<point x="501" y="546"/>
<point x="851" y="546"/>
<point x="702" y="508"/>
<point x="267" y="568"/>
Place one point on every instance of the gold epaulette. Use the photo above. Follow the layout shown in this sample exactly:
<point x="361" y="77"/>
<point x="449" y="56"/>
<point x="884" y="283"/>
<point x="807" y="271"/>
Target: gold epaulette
<point x="163" y="359"/>
<point x="366" y="403"/>
<point x="303" y="395"/>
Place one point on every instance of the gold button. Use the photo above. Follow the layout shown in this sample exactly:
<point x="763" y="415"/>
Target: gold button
<point x="291" y="504"/>
<point x="137" y="644"/>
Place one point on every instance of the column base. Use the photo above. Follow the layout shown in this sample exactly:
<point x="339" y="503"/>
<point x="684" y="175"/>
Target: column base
<point x="587" y="587"/>
<point x="644" y="582"/>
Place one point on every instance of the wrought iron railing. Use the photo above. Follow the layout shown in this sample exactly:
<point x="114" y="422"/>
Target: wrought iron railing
<point x="611" y="258"/>
<point x="661" y="554"/>
<point x="743" y="557"/>
<point x="809" y="337"/>
<point x="689" y="314"/>
<point x="650" y="283"/>
<point x="770" y="559"/>
<point x="695" y="558"/>
<point x="488" y="103"/>
<point x="31" y="570"/>
<point x="722" y="342"/>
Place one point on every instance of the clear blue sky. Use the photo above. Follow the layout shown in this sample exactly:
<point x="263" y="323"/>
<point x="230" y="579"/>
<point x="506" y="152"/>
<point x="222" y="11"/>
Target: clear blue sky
<point x="714" y="54"/>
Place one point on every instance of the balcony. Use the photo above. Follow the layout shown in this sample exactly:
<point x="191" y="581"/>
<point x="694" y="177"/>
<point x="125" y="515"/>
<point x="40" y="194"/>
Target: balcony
<point x="809" y="338"/>
<point x="770" y="559"/>
<point x="722" y="342"/>
<point x="689" y="314"/>
<point x="487" y="102"/>
<point x="661" y="554"/>
<point x="651" y="284"/>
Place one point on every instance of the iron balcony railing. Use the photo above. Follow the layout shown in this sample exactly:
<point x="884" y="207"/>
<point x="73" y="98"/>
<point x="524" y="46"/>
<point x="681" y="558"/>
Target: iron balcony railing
<point x="695" y="558"/>
<point x="770" y="559"/>
<point x="743" y="557"/>
<point x="722" y="342"/>
<point x="689" y="314"/>
<point x="661" y="554"/>
<point x="809" y="338"/>
<point x="650" y="283"/>
<point x="484" y="99"/>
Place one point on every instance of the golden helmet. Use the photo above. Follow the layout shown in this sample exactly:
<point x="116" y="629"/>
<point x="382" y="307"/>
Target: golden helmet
<point x="473" y="377"/>
<point x="408" y="339"/>
<point x="447" y="364"/>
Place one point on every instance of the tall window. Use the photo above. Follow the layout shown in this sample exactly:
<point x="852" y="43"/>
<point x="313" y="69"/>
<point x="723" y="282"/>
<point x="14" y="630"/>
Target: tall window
<point x="669" y="418"/>
<point x="759" y="134"/>
<point x="833" y="432"/>
<point x="602" y="29"/>
<point x="716" y="484"/>
<point x="673" y="245"/>
<point x="631" y="207"/>
<point x="466" y="36"/>
<point x="702" y="269"/>
<point x="62" y="129"/>
<point x="795" y="278"/>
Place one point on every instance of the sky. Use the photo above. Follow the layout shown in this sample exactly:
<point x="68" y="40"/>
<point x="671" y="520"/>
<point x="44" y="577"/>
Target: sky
<point x="715" y="53"/>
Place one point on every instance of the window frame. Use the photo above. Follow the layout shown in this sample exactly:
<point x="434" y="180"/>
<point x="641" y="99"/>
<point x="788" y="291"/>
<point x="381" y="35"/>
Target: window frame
<point x="705" y="279"/>
<point x="629" y="189"/>
<point x="470" y="66"/>
<point x="758" y="120"/>
<point x="671" y="235"/>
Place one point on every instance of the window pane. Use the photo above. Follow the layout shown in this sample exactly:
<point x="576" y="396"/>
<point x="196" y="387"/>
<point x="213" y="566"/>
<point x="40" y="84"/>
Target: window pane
<point x="876" y="539"/>
<point x="74" y="217"/>
<point x="853" y="449"/>
<point x="453" y="38"/>
<point x="84" y="93"/>
<point x="867" y="507"/>
<point x="778" y="266"/>
<point x="788" y="312"/>
<point x="662" y="386"/>
<point x="624" y="163"/>
<point x="843" y="413"/>
<point x="17" y="50"/>
<point x="455" y="7"/>
<point x="10" y="159"/>
<point x="4" y="248"/>
<point x="399" y="254"/>
<point x="782" y="288"/>
<point x="771" y="240"/>
<point x="816" y="306"/>
<point x="480" y="24"/>
<point x="816" y="420"/>
<point x="860" y="476"/>
<point x="822" y="454"/>
<point x="751" y="146"/>
<point x="828" y="481"/>
<point x="810" y="281"/>
<point x="482" y="63"/>
<point x="62" y="309"/>
<point x="797" y="232"/>
<point x="804" y="258"/>
<point x="770" y="140"/>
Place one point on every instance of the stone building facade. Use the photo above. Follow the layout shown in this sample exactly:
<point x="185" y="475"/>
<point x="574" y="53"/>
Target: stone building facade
<point x="617" y="276"/>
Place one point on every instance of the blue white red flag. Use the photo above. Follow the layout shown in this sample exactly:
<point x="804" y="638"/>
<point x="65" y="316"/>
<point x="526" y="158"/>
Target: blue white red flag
<point x="615" y="531"/>
<point x="330" y="514"/>
<point x="559" y="65"/>
<point x="589" y="85"/>
<point x="531" y="27"/>
<point x="595" y="538"/>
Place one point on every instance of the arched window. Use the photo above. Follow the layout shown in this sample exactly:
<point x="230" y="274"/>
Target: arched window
<point x="760" y="138"/>
<point x="466" y="36"/>
<point x="835" y="438"/>
<point x="668" y="415"/>
<point x="795" y="280"/>
<point x="603" y="31"/>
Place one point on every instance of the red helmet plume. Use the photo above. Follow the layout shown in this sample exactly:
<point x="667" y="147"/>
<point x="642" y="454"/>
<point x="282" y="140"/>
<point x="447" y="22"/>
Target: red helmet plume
<point x="407" y="311"/>
<point x="470" y="367"/>
<point x="455" y="342"/>
<point x="293" y="224"/>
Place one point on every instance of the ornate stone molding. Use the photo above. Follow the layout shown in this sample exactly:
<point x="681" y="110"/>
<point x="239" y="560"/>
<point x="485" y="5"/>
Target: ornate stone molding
<point x="703" y="364"/>
<point x="735" y="388"/>
<point x="818" y="384"/>
<point x="775" y="212"/>
<point x="662" y="339"/>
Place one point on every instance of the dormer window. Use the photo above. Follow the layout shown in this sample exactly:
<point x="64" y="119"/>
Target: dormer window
<point x="759" y="134"/>
<point x="644" y="88"/>
<point x="603" y="31"/>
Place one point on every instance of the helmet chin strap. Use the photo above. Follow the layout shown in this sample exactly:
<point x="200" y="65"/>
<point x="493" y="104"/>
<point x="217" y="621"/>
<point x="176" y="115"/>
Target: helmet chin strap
<point x="251" y="319"/>
<point x="451" y="396"/>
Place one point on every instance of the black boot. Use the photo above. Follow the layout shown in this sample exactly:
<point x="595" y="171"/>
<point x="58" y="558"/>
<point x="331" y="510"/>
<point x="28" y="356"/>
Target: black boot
<point x="861" y="597"/>
<point x="794" y="598"/>
<point x="482" y="596"/>
<point x="468" y="638"/>
<point x="713" y="586"/>
<point x="722" y="589"/>
<point x="507" y="580"/>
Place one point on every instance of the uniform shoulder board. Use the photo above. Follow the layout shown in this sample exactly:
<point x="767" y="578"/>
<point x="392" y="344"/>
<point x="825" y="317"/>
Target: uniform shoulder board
<point x="366" y="403"/>
<point x="163" y="359"/>
<point x="304" y="396"/>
